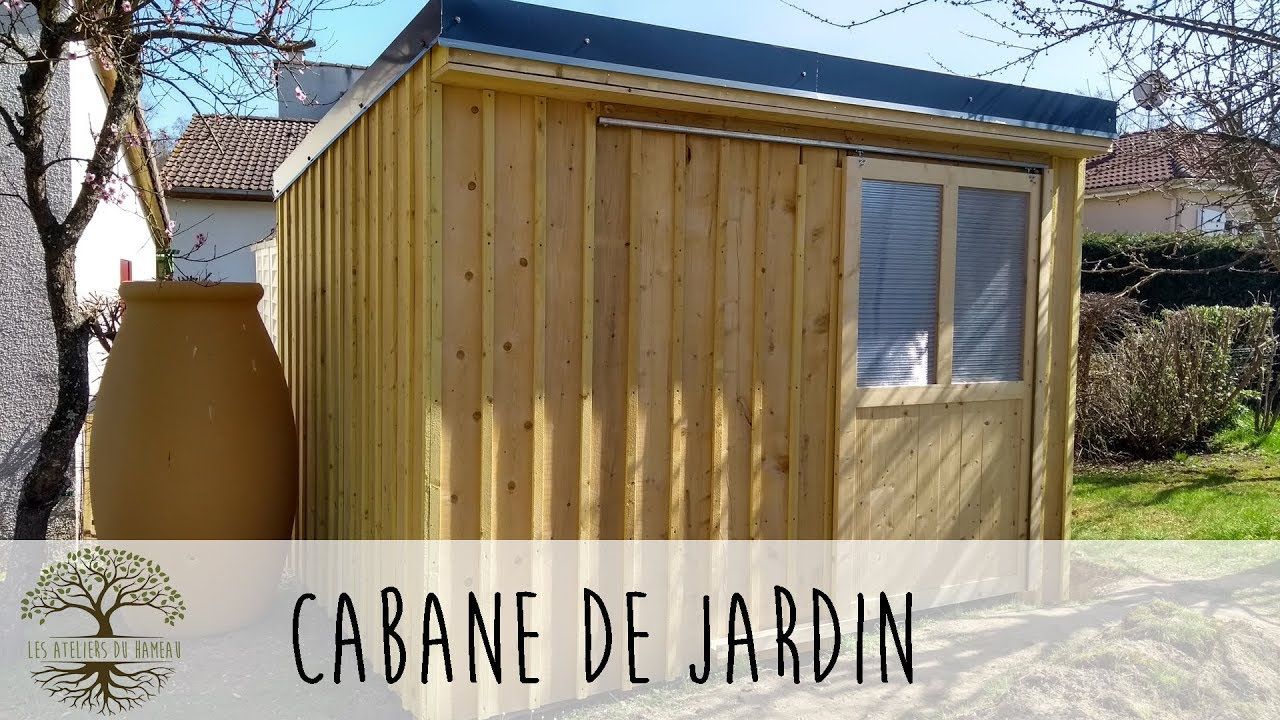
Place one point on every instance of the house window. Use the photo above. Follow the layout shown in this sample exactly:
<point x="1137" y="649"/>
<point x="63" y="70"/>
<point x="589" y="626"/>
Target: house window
<point x="1213" y="219"/>
<point x="898" y="283"/>
<point x="990" y="285"/>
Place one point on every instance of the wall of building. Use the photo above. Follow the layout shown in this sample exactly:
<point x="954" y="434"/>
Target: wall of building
<point x="28" y="364"/>
<point x="230" y="227"/>
<point x="323" y="84"/>
<point x="1140" y="213"/>
<point x="119" y="230"/>
<point x="610" y="333"/>
<point x="1149" y="211"/>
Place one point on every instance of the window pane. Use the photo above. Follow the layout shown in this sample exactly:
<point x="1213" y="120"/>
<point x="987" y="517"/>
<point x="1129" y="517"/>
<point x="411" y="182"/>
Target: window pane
<point x="991" y="285"/>
<point x="898" y="283"/>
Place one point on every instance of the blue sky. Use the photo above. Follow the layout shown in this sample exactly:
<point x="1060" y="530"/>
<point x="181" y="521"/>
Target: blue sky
<point x="932" y="37"/>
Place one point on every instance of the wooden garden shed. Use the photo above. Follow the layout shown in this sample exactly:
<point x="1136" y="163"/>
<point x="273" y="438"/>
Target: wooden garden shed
<point x="552" y="275"/>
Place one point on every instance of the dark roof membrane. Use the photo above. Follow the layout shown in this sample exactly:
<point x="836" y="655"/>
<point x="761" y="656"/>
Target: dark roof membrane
<point x="517" y="29"/>
<point x="573" y="38"/>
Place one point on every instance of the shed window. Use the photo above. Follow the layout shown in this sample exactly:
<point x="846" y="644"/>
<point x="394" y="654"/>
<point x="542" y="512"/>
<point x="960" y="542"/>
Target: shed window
<point x="991" y="285"/>
<point x="898" y="283"/>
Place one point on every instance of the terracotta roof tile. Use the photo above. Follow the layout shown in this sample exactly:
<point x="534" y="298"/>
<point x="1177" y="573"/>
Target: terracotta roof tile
<point x="1137" y="159"/>
<point x="1156" y="157"/>
<point x="228" y="153"/>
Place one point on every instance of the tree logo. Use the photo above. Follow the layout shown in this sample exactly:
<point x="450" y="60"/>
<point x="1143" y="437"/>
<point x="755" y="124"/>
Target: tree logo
<point x="102" y="671"/>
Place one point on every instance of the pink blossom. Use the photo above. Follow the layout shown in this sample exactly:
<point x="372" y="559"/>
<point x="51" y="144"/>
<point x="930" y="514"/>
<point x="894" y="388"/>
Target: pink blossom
<point x="302" y="97"/>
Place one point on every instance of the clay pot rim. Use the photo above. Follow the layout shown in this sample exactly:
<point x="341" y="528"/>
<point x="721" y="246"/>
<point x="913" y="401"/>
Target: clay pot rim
<point x="189" y="290"/>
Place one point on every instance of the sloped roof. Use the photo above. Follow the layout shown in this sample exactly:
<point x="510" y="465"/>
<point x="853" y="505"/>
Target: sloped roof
<point x="1158" y="157"/>
<point x="230" y="156"/>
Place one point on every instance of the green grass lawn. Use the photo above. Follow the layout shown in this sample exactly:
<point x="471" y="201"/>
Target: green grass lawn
<point x="1232" y="494"/>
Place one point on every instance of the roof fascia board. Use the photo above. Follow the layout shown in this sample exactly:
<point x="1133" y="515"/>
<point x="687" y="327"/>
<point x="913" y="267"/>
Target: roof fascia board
<point x="469" y="69"/>
<point x="1139" y="188"/>
<point x="186" y="192"/>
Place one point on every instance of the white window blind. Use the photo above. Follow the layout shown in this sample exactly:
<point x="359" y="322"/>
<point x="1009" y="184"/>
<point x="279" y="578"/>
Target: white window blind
<point x="991" y="285"/>
<point x="898" y="283"/>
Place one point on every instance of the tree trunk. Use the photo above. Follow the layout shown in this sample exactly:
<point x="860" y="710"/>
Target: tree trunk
<point x="50" y="476"/>
<point x="104" y="626"/>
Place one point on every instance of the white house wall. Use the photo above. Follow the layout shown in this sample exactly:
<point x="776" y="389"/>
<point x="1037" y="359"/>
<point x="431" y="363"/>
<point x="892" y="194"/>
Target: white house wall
<point x="117" y="231"/>
<point x="230" y="227"/>
<point x="1148" y="211"/>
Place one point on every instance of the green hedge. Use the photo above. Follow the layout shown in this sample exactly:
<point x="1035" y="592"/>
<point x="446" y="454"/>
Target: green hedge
<point x="1256" y="284"/>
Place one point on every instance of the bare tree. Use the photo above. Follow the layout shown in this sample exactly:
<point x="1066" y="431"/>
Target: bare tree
<point x="221" y="50"/>
<point x="105" y="313"/>
<point x="165" y="139"/>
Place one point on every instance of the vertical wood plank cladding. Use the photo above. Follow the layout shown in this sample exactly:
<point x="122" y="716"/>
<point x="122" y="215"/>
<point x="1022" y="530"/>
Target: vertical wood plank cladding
<point x="369" y="332"/>
<point x="402" y="432"/>
<point x="1044" y="332"/>
<point x="929" y="475"/>
<point x="371" y="483"/>
<point x="774" y="287"/>
<point x="488" y="168"/>
<point x="436" y="497"/>
<point x="947" y="471"/>
<point x="588" y="524"/>
<point x="610" y="334"/>
<point x="697" y="370"/>
<point x="652" y="243"/>
<point x="539" y="487"/>
<point x="633" y="432"/>
<point x="325" y="320"/>
<point x="511" y="269"/>
<point x="299" y="358"/>
<point x="388" y="246"/>
<point x="360" y="327"/>
<point x="795" y="355"/>
<point x="304" y="360"/>
<point x="814" y="452"/>
<point x="720" y="411"/>
<point x="676" y="492"/>
<point x="847" y="500"/>
<point x="418" y="324"/>
<point x="1064" y="315"/>
<point x="352" y="348"/>
<point x="530" y="326"/>
<point x="969" y="520"/>
<point x="463" y="291"/>
<point x="760" y="196"/>
<point x="564" y="187"/>
<point x="735" y="305"/>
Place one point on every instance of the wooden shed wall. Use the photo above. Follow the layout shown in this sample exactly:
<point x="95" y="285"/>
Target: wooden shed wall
<point x="503" y="321"/>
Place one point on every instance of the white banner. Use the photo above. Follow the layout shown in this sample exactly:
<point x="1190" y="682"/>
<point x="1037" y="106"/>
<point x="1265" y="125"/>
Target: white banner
<point x="957" y="629"/>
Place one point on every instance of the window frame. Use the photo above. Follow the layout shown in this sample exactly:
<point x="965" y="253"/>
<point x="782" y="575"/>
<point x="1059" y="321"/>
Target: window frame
<point x="950" y="177"/>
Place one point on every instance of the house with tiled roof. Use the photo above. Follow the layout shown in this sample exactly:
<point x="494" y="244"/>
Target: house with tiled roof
<point x="218" y="184"/>
<point x="1159" y="181"/>
<point x="218" y="178"/>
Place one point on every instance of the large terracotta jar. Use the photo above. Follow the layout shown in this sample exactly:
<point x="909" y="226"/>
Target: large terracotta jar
<point x="193" y="432"/>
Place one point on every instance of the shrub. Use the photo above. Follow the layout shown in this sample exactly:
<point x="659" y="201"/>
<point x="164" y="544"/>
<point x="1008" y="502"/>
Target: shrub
<point x="1167" y="384"/>
<point x="1250" y="281"/>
